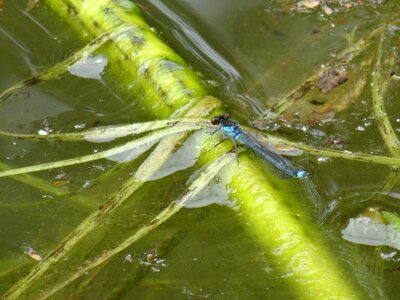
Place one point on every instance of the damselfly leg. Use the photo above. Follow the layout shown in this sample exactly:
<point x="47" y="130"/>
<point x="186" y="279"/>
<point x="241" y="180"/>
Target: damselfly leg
<point x="216" y="130"/>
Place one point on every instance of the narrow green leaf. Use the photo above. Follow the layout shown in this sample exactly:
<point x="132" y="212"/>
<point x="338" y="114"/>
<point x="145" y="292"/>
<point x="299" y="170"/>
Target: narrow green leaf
<point x="354" y="156"/>
<point x="392" y="219"/>
<point x="385" y="128"/>
<point x="147" y="140"/>
<point x="110" y="133"/>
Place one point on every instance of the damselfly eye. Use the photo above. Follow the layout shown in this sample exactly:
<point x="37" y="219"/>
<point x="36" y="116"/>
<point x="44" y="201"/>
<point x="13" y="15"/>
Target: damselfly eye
<point x="215" y="120"/>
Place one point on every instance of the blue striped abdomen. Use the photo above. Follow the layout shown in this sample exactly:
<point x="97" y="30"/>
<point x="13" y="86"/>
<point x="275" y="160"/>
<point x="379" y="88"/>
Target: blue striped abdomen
<point x="269" y="155"/>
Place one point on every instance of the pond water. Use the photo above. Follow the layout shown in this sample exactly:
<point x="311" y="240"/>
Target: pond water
<point x="251" y="54"/>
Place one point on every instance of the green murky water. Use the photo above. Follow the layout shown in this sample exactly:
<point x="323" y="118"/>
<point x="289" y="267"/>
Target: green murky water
<point x="251" y="54"/>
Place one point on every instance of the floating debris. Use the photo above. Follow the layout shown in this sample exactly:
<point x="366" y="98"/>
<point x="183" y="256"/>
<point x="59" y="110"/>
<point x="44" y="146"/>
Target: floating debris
<point x="338" y="5"/>
<point x="327" y="10"/>
<point x="153" y="261"/>
<point x="60" y="183"/>
<point x="129" y="257"/>
<point x="331" y="79"/>
<point x="323" y="159"/>
<point x="315" y="31"/>
<point x="360" y="128"/>
<point x="80" y="126"/>
<point x="32" y="254"/>
<point x="308" y="4"/>
<point x="43" y="132"/>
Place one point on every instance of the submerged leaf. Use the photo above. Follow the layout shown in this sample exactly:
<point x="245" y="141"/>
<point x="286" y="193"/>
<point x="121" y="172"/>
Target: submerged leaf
<point x="146" y="140"/>
<point x="364" y="231"/>
<point x="110" y="133"/>
<point x="103" y="134"/>
<point x="131" y="154"/>
<point x="89" y="67"/>
<point x="185" y="157"/>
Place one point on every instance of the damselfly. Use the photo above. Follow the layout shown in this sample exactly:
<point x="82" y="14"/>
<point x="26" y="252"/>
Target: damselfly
<point x="235" y="133"/>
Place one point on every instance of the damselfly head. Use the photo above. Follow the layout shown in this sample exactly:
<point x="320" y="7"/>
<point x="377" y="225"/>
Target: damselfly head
<point x="218" y="119"/>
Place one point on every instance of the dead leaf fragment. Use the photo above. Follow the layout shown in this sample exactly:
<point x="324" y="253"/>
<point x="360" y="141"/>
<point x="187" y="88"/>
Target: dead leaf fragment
<point x="60" y="183"/>
<point x="1" y="5"/>
<point x="327" y="10"/>
<point x="309" y="4"/>
<point x="331" y="79"/>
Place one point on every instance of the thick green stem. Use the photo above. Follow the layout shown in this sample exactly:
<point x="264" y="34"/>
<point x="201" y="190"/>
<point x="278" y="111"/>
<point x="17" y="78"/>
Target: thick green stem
<point x="309" y="266"/>
<point x="150" y="68"/>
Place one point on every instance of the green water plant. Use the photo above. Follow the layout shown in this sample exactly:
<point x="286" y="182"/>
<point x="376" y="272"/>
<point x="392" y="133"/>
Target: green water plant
<point x="171" y="92"/>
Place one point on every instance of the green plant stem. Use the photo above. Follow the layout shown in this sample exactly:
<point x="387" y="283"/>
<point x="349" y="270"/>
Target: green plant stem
<point x="167" y="85"/>
<point x="392" y="219"/>
<point x="353" y="156"/>
<point x="113" y="132"/>
<point x="35" y="182"/>
<point x="385" y="128"/>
